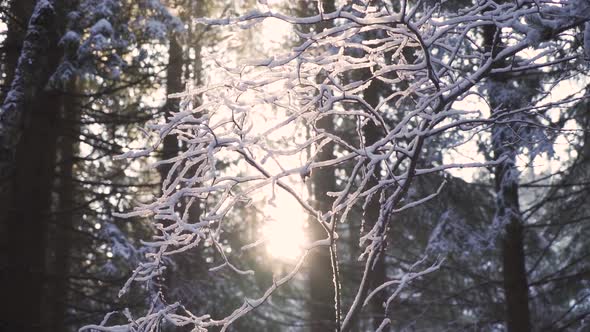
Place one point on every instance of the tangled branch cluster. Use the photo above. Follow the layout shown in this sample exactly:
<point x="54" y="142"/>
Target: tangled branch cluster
<point x="429" y="57"/>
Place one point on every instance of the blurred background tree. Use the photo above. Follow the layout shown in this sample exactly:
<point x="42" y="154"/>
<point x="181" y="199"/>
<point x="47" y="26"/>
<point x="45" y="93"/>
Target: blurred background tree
<point x="81" y="78"/>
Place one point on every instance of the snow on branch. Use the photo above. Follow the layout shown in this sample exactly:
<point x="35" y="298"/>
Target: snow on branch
<point x="420" y="53"/>
<point x="25" y="87"/>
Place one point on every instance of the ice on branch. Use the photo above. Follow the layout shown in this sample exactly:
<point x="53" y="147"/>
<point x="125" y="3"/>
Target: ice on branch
<point x="418" y="53"/>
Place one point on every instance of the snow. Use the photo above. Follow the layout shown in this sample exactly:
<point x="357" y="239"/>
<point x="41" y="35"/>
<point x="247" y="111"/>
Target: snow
<point x="102" y="27"/>
<point x="157" y="29"/>
<point x="69" y="39"/>
<point x="27" y="70"/>
<point x="230" y="123"/>
<point x="102" y="33"/>
<point x="587" y="40"/>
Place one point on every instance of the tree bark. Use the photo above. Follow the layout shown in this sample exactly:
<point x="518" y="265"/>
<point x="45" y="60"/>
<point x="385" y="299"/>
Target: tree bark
<point x="322" y="303"/>
<point x="28" y="142"/>
<point x="504" y="145"/>
<point x="65" y="216"/>
<point x="321" y="286"/>
<point x="170" y="146"/>
<point x="508" y="213"/>
<point x="371" y="213"/>
<point x="190" y="265"/>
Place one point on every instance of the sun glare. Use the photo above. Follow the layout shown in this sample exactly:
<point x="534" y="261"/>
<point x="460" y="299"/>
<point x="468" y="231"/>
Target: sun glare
<point x="284" y="229"/>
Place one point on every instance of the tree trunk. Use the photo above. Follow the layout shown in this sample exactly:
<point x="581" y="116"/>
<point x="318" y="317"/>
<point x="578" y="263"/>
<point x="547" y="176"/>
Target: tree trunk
<point x="28" y="119"/>
<point x="505" y="145"/>
<point x="170" y="146"/>
<point x="508" y="212"/>
<point x="65" y="216"/>
<point x="371" y="213"/>
<point x="321" y="286"/>
<point x="189" y="265"/>
<point x="322" y="304"/>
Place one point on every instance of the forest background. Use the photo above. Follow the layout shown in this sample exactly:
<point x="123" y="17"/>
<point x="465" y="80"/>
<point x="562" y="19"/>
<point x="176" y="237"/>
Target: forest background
<point x="499" y="243"/>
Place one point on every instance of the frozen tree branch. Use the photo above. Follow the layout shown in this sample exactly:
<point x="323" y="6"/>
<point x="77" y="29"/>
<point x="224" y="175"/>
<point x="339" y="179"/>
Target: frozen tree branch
<point x="421" y="52"/>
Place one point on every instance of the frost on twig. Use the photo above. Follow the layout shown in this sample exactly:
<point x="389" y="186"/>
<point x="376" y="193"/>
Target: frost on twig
<point x="420" y="52"/>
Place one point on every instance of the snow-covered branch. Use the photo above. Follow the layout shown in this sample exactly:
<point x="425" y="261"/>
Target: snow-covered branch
<point x="428" y="57"/>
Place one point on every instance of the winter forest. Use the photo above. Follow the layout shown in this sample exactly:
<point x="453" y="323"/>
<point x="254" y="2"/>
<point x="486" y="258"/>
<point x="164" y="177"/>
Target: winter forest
<point x="308" y="165"/>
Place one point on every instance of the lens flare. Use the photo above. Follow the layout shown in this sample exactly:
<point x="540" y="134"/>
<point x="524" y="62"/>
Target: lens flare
<point x="283" y="231"/>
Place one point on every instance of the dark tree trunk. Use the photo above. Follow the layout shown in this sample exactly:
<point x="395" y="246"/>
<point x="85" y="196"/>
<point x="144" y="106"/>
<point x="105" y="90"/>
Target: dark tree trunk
<point x="189" y="269"/>
<point x="505" y="144"/>
<point x="29" y="116"/>
<point x="170" y="146"/>
<point x="193" y="71"/>
<point x="508" y="212"/>
<point x="26" y="223"/>
<point x="371" y="214"/>
<point x="321" y="285"/>
<point x="322" y="303"/>
<point x="66" y="213"/>
<point x="515" y="278"/>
